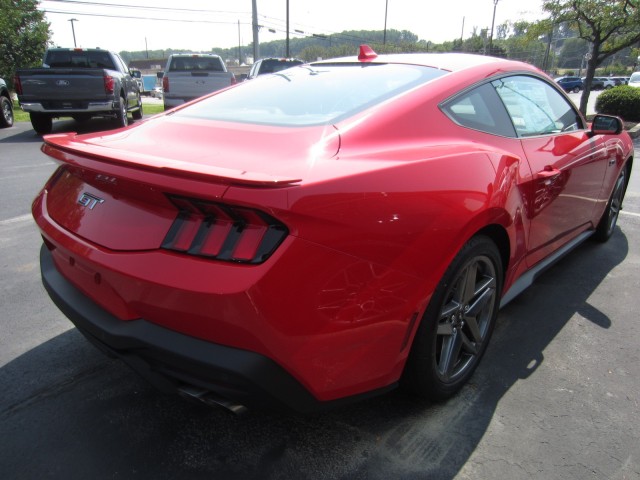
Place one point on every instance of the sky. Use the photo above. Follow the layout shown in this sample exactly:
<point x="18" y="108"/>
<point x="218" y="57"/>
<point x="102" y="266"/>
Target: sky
<point x="200" y="25"/>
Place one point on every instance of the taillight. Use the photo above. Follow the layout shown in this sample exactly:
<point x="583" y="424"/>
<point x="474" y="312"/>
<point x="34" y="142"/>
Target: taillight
<point x="165" y="84"/>
<point x="223" y="232"/>
<point x="233" y="79"/>
<point x="17" y="84"/>
<point x="109" y="84"/>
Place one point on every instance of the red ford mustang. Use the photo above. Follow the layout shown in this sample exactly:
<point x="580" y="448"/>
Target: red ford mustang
<point x="327" y="232"/>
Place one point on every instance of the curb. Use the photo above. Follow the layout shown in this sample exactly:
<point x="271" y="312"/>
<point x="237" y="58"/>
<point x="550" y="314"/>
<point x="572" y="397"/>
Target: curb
<point x="634" y="132"/>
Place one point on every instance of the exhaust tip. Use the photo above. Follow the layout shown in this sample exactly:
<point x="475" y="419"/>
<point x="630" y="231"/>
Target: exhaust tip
<point x="211" y="399"/>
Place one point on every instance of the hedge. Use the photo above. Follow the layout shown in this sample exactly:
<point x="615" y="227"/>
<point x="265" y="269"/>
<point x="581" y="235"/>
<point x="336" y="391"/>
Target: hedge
<point x="623" y="101"/>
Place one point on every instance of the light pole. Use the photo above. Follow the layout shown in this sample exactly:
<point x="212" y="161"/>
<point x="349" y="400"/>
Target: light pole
<point x="493" y="21"/>
<point x="386" y="8"/>
<point x="73" y="30"/>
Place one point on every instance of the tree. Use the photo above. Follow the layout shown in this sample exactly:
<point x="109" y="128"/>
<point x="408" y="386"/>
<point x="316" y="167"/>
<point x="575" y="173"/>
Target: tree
<point x="24" y="37"/>
<point x="608" y="25"/>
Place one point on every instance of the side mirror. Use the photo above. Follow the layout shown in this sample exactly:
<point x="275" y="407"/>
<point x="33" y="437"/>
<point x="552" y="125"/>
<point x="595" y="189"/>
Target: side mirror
<point x="606" y="125"/>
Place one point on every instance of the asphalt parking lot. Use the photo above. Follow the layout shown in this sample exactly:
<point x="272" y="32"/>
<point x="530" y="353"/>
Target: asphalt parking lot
<point x="556" y="397"/>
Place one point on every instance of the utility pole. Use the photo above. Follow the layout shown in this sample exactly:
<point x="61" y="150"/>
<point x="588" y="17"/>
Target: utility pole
<point x="73" y="30"/>
<point x="255" y="27"/>
<point x="386" y="9"/>
<point x="493" y="21"/>
<point x="239" y="45"/>
<point x="287" y="43"/>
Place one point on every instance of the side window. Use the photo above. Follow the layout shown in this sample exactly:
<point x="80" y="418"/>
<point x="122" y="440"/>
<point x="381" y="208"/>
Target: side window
<point x="480" y="109"/>
<point x="535" y="107"/>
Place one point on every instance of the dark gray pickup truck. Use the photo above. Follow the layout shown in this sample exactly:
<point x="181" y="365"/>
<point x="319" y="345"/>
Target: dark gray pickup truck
<point x="79" y="83"/>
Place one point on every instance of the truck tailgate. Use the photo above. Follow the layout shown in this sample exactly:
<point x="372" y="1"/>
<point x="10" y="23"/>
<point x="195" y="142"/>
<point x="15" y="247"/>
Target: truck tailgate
<point x="63" y="84"/>
<point x="196" y="84"/>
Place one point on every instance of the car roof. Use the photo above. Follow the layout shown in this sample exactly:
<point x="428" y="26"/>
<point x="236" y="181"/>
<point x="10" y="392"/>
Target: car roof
<point x="451" y="62"/>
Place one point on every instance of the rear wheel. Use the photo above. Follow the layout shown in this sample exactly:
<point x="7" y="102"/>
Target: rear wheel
<point x="6" y="112"/>
<point x="607" y="223"/>
<point x="121" y="116"/>
<point x="41" y="123"/>
<point x="457" y="324"/>
<point x="137" y="114"/>
<point x="576" y="89"/>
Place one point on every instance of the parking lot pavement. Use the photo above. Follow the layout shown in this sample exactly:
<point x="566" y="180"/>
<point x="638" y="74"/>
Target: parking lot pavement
<point x="556" y="397"/>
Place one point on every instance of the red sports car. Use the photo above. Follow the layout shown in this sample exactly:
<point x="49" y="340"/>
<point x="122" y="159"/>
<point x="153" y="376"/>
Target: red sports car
<point x="328" y="232"/>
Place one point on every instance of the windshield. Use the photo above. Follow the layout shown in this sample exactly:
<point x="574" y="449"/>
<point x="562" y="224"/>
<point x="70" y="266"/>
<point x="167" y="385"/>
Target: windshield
<point x="311" y="95"/>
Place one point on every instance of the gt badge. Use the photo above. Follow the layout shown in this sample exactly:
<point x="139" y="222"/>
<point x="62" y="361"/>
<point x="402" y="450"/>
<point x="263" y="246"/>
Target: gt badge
<point x="88" y="200"/>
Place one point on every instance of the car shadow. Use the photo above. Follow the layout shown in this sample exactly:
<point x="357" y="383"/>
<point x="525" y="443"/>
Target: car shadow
<point x="24" y="134"/>
<point x="69" y="412"/>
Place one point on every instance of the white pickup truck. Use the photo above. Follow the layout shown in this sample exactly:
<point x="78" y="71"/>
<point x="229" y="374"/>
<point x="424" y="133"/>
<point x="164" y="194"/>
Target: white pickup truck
<point x="188" y="76"/>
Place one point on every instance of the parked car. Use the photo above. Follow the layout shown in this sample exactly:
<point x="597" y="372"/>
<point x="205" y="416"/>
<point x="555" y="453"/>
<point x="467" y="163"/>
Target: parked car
<point x="620" y="80"/>
<point x="305" y="241"/>
<point x="79" y="83"/>
<point x="156" y="92"/>
<point x="189" y="76"/>
<point x="272" y="65"/>
<point x="607" y="82"/>
<point x="634" y="79"/>
<point x="570" y="84"/>
<point x="6" y="106"/>
<point x="596" y="84"/>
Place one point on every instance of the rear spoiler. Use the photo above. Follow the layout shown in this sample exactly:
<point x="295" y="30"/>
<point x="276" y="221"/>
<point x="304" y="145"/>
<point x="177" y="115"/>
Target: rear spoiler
<point x="63" y="148"/>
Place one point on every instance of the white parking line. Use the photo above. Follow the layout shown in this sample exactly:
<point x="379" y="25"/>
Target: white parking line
<point x="633" y="214"/>
<point x="21" y="218"/>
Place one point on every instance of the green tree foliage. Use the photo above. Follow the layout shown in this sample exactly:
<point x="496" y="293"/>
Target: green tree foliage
<point x="24" y="35"/>
<point x="608" y="25"/>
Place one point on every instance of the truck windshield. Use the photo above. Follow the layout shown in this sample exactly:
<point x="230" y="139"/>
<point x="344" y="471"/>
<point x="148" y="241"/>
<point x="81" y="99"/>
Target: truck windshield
<point x="311" y="95"/>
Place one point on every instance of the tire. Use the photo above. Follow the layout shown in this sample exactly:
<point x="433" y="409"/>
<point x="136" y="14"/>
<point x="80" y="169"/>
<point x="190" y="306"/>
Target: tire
<point x="41" y="123"/>
<point x="122" y="120"/>
<point x="6" y="113"/>
<point x="607" y="224"/>
<point x="457" y="324"/>
<point x="576" y="90"/>
<point x="137" y="114"/>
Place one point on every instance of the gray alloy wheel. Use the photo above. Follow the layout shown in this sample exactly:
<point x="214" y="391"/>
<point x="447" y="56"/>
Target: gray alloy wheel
<point x="576" y="89"/>
<point x="607" y="223"/>
<point x="458" y="323"/>
<point x="6" y="116"/>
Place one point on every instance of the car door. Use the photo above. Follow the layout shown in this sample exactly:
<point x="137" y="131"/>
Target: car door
<point x="568" y="164"/>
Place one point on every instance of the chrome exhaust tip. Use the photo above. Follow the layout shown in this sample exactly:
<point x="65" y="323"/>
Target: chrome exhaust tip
<point x="211" y="399"/>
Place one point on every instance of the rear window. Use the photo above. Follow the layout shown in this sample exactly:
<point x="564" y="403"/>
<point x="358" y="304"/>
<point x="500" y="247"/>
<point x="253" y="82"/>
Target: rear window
<point x="196" y="63"/>
<point x="311" y="95"/>
<point x="274" y="65"/>
<point x="78" y="59"/>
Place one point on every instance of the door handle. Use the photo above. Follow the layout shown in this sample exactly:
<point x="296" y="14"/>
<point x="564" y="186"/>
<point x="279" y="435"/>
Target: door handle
<point x="548" y="172"/>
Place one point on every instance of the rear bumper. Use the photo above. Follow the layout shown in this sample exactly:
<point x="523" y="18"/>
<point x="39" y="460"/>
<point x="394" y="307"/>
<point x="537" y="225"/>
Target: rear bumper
<point x="93" y="107"/>
<point x="171" y="360"/>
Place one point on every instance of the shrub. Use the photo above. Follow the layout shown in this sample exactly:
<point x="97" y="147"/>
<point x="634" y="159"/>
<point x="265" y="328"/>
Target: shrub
<point x="623" y="101"/>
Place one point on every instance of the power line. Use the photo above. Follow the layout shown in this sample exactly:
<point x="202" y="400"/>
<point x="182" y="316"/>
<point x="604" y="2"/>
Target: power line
<point x="106" y="15"/>
<point x="146" y="7"/>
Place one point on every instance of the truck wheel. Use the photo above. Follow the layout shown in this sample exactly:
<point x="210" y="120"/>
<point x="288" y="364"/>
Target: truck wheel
<point x="6" y="112"/>
<point x="121" y="116"/>
<point x="137" y="114"/>
<point x="41" y="123"/>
